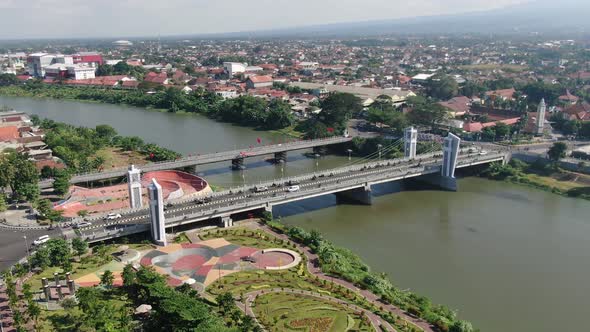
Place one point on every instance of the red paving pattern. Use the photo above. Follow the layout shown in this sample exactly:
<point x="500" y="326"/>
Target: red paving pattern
<point x="80" y="198"/>
<point x="188" y="263"/>
<point x="272" y="259"/>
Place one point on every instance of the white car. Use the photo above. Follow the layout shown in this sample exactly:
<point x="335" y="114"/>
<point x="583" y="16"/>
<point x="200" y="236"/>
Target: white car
<point x="483" y="153"/>
<point x="293" y="189"/>
<point x="42" y="239"/>
<point x="82" y="224"/>
<point x="260" y="189"/>
<point x="112" y="216"/>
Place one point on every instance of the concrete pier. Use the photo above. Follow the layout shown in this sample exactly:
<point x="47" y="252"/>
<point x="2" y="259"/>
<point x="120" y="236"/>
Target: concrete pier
<point x="361" y="196"/>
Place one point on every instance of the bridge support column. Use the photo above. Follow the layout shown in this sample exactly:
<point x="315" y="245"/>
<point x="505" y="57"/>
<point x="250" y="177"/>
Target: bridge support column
<point x="446" y="180"/>
<point x="321" y="150"/>
<point x="226" y="221"/>
<point x="281" y="157"/>
<point x="410" y="140"/>
<point x="237" y="163"/>
<point x="361" y="196"/>
<point x="134" y="185"/>
<point x="158" y="220"/>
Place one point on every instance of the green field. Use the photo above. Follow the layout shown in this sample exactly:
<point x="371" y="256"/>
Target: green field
<point x="297" y="313"/>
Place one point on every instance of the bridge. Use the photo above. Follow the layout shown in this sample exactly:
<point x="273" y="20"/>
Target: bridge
<point x="236" y="156"/>
<point x="350" y="184"/>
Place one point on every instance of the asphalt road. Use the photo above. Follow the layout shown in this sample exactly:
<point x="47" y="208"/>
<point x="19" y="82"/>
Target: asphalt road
<point x="13" y="244"/>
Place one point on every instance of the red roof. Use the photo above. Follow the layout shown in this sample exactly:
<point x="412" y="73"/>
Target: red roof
<point x="260" y="79"/>
<point x="458" y="105"/>
<point x="9" y="133"/>
<point x="478" y="126"/>
<point x="504" y="93"/>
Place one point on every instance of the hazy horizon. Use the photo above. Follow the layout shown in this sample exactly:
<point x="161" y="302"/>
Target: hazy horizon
<point x="139" y="18"/>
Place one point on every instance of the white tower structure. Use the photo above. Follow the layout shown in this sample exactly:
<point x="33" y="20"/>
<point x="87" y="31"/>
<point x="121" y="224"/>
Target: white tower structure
<point x="134" y="184"/>
<point x="540" y="125"/>
<point x="410" y="140"/>
<point x="450" y="154"/>
<point x="157" y="213"/>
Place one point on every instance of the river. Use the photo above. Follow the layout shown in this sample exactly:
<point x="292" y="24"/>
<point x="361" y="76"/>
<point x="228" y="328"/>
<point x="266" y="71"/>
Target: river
<point x="507" y="257"/>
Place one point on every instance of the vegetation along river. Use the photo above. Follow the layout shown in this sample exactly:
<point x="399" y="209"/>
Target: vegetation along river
<point x="507" y="257"/>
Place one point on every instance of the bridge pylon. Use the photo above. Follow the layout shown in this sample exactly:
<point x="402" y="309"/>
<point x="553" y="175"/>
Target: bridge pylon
<point x="134" y="185"/>
<point x="158" y="221"/>
<point x="410" y="140"/>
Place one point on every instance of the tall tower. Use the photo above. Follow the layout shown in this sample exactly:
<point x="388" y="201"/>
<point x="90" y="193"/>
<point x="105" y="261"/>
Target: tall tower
<point x="157" y="213"/>
<point x="450" y="154"/>
<point x="410" y="139"/>
<point x="540" y="117"/>
<point x="134" y="184"/>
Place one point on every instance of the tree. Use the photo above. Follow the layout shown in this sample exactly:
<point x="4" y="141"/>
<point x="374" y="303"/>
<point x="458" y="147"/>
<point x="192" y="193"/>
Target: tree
<point x="425" y="112"/>
<point x="107" y="279"/>
<point x="61" y="181"/>
<point x="3" y="205"/>
<point x="225" y="302"/>
<point x="338" y="107"/>
<point x="8" y="79"/>
<point x="129" y="275"/>
<point x="279" y="115"/>
<point x="461" y="326"/>
<point x="106" y="132"/>
<point x="34" y="311"/>
<point x="80" y="246"/>
<point x="40" y="258"/>
<point x="20" y="174"/>
<point x="442" y="87"/>
<point x="502" y="130"/>
<point x="59" y="251"/>
<point x="557" y="151"/>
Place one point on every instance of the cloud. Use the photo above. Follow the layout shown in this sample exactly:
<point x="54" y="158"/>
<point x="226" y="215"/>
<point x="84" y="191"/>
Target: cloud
<point x="113" y="18"/>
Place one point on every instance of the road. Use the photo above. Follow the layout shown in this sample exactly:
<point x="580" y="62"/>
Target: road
<point x="13" y="243"/>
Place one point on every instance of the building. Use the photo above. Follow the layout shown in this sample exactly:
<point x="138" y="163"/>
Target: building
<point x="157" y="78"/>
<point x="91" y="59"/>
<point x="503" y="94"/>
<point x="579" y="112"/>
<point x="422" y="78"/>
<point x="76" y="72"/>
<point x="122" y="43"/>
<point x="255" y="82"/>
<point x="134" y="186"/>
<point x="37" y="62"/>
<point x="233" y="68"/>
<point x="457" y="106"/>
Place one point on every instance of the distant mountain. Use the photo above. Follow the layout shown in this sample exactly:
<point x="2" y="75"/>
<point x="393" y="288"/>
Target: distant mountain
<point x="543" y="16"/>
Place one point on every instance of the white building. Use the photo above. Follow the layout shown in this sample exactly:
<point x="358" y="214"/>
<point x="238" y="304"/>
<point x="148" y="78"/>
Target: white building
<point x="81" y="72"/>
<point x="37" y="62"/>
<point x="233" y="68"/>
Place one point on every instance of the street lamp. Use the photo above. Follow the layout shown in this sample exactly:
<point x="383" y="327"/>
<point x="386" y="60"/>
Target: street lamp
<point x="349" y="154"/>
<point x="27" y="248"/>
<point x="379" y="146"/>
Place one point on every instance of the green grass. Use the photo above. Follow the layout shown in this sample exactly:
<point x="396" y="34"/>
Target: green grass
<point x="247" y="238"/>
<point x="289" y="131"/>
<point x="281" y="311"/>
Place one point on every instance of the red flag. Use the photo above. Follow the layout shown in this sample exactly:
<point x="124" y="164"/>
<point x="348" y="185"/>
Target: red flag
<point x="330" y="129"/>
<point x="258" y="140"/>
<point x="151" y="156"/>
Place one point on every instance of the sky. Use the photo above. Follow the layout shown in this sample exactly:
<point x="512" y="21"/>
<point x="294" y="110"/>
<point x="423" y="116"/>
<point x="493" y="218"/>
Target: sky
<point x="128" y="18"/>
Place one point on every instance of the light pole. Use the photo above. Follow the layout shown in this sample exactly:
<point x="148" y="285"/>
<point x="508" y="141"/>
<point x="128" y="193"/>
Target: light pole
<point x="27" y="248"/>
<point x="379" y="146"/>
<point x="349" y="154"/>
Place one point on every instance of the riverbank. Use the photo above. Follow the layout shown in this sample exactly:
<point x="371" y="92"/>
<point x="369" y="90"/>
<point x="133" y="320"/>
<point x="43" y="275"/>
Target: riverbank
<point x="542" y="177"/>
<point x="244" y="110"/>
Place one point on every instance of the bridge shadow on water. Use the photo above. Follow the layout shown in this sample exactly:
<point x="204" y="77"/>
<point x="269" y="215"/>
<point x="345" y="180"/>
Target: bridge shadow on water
<point x="331" y="200"/>
<point x="225" y="168"/>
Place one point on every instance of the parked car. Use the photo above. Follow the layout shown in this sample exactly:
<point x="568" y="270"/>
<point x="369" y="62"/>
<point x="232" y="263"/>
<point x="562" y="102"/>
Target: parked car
<point x="82" y="224"/>
<point x="42" y="239"/>
<point x="112" y="216"/>
<point x="293" y="189"/>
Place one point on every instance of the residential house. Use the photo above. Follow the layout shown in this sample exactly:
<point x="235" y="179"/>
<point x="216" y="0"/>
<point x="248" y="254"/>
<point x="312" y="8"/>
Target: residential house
<point x="255" y="82"/>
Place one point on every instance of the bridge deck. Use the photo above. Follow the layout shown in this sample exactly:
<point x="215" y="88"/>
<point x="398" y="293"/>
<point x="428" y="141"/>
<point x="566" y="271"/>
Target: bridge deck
<point x="206" y="159"/>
